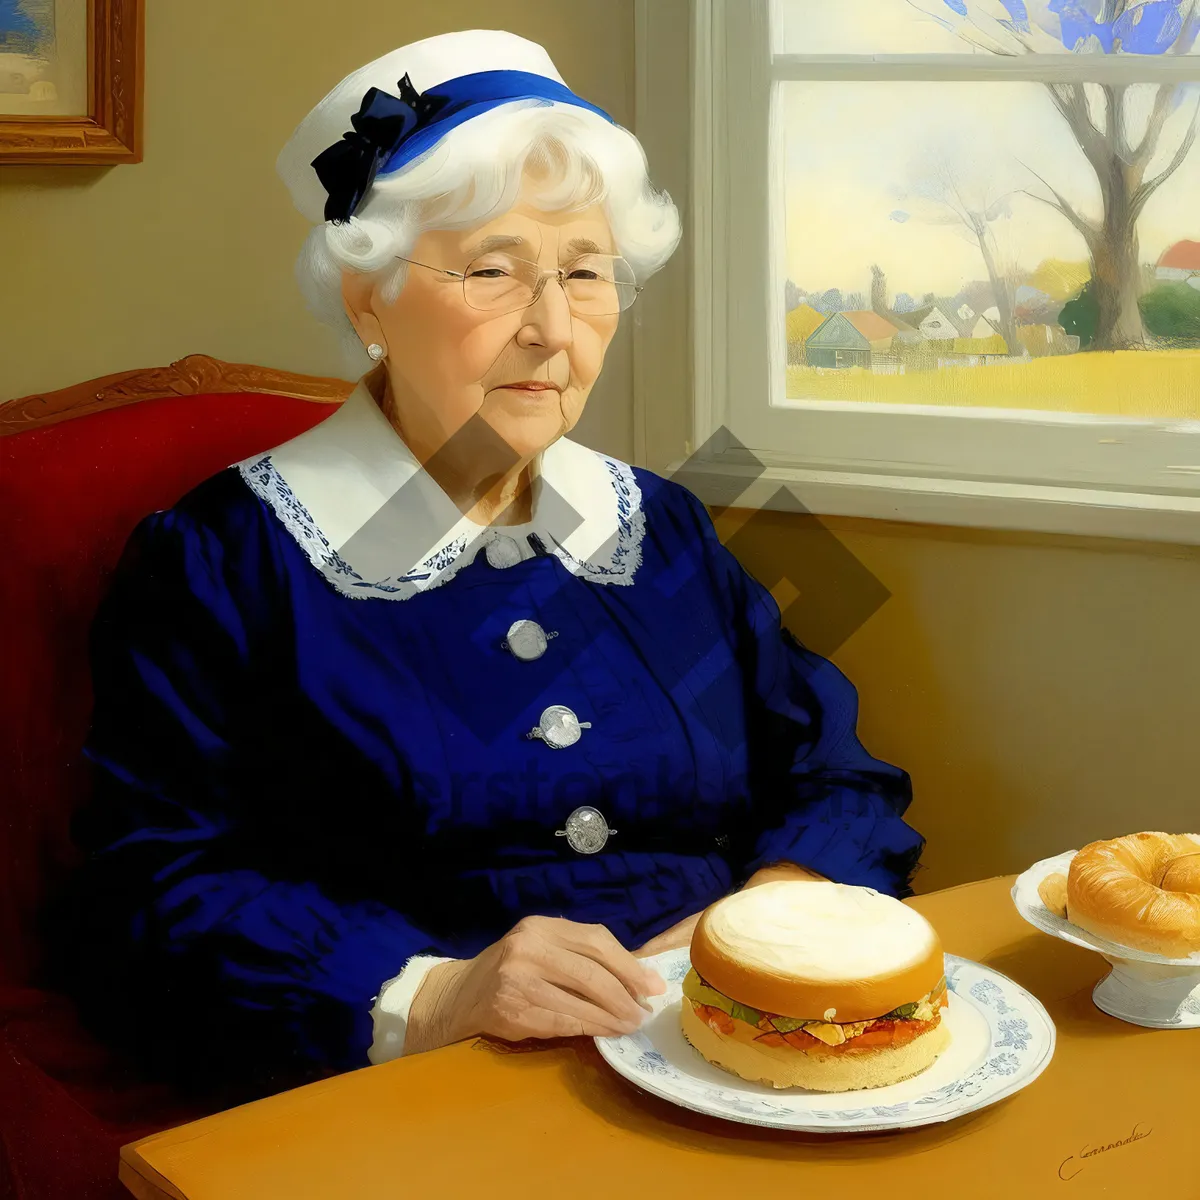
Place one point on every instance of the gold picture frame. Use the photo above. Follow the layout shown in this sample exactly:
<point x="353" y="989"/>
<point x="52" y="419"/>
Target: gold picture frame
<point x="110" y="130"/>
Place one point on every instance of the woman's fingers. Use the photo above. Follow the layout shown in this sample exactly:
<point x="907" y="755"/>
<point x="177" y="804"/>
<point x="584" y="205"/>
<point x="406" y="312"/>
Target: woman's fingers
<point x="592" y="1020"/>
<point x="563" y="967"/>
<point x="550" y="977"/>
<point x="598" y="943"/>
<point x="547" y="1023"/>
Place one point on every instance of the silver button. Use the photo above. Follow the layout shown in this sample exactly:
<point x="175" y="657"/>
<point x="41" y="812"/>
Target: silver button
<point x="526" y="640"/>
<point x="502" y="551"/>
<point x="558" y="727"/>
<point x="587" y="831"/>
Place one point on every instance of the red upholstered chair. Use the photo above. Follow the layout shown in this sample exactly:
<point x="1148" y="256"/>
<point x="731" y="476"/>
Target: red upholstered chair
<point x="78" y="469"/>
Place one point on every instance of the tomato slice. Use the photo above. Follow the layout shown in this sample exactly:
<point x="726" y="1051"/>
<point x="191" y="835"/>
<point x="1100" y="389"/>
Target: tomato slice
<point x="715" y="1019"/>
<point x="891" y="1032"/>
<point x="803" y="1041"/>
<point x="884" y="1032"/>
<point x="774" y="1038"/>
<point x="882" y="1036"/>
<point x="904" y="1032"/>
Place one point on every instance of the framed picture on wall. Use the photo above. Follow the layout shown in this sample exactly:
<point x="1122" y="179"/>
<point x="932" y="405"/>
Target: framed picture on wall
<point x="71" y="81"/>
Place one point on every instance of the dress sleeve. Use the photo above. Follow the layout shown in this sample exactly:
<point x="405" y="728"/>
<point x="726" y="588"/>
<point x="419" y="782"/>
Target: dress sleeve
<point x="393" y="1005"/>
<point x="187" y="937"/>
<point x="820" y="800"/>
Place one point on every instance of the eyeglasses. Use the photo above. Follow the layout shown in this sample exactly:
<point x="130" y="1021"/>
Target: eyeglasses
<point x="596" y="285"/>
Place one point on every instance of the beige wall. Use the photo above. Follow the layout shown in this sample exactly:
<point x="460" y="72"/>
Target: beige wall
<point x="109" y="269"/>
<point x="1040" y="691"/>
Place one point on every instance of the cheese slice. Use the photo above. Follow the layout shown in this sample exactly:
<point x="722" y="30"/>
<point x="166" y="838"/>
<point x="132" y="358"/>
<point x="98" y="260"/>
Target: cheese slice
<point x="836" y="1035"/>
<point x="924" y="1011"/>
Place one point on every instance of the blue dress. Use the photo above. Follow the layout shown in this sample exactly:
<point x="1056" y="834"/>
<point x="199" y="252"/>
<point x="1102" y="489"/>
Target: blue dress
<point x="298" y="785"/>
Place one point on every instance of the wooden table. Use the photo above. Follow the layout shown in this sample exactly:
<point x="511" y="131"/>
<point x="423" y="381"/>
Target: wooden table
<point x="1117" y="1113"/>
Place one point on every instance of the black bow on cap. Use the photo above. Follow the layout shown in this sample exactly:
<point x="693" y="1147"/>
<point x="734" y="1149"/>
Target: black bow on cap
<point x="382" y="125"/>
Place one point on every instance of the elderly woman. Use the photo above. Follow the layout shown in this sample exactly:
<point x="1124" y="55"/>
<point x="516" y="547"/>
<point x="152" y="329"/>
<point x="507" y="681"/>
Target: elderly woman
<point x="433" y="722"/>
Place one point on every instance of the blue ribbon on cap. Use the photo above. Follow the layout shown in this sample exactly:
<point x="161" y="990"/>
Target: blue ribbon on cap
<point x="390" y="131"/>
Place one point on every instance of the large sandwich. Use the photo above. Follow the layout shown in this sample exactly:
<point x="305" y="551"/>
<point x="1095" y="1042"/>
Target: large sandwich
<point x="815" y="985"/>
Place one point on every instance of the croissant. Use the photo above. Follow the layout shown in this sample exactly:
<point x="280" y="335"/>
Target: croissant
<point x="1053" y="891"/>
<point x="1141" y="891"/>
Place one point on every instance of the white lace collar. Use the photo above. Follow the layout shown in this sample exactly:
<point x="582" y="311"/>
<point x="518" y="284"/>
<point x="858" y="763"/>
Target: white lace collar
<point x="357" y="501"/>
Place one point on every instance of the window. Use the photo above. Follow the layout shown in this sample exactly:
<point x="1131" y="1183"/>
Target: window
<point x="947" y="257"/>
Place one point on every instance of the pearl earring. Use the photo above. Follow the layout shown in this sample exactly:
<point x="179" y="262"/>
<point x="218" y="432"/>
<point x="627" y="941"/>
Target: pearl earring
<point x="376" y="351"/>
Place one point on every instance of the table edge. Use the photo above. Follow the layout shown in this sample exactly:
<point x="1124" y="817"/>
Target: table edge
<point x="1009" y="878"/>
<point x="134" y="1164"/>
<point x="141" y="1180"/>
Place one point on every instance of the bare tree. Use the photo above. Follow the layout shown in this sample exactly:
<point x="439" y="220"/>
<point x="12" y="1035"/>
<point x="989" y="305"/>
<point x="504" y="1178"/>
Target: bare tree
<point x="1120" y="161"/>
<point x="942" y="198"/>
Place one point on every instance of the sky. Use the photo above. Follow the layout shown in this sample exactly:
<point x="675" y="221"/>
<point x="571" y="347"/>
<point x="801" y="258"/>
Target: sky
<point x="895" y="26"/>
<point x="860" y="27"/>
<point x="15" y="19"/>
<point x="860" y="158"/>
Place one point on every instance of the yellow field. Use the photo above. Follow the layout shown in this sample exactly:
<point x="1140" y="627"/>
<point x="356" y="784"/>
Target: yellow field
<point x="1131" y="383"/>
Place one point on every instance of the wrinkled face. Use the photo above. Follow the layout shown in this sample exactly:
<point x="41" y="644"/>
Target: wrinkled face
<point x="448" y="361"/>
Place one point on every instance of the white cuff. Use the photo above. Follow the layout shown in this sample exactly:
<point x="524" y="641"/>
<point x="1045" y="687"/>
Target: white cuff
<point x="390" y="1013"/>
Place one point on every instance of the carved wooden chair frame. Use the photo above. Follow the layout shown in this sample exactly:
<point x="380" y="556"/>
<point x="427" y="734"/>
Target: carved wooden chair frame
<point x="195" y="375"/>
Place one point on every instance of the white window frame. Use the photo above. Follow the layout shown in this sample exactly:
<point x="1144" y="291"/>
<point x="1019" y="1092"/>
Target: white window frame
<point x="990" y="468"/>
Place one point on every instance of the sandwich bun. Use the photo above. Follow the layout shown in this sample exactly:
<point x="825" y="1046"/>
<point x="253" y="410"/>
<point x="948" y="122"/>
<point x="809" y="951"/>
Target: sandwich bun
<point x="815" y="985"/>
<point x="807" y="949"/>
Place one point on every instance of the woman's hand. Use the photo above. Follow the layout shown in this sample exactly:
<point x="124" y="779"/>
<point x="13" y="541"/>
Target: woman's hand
<point x="774" y="872"/>
<point x="679" y="935"/>
<point x="546" y="978"/>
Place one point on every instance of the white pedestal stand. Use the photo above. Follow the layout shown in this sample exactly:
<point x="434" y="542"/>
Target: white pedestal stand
<point x="1143" y="989"/>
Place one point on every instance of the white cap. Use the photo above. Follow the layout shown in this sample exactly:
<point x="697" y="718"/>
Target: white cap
<point x="427" y="63"/>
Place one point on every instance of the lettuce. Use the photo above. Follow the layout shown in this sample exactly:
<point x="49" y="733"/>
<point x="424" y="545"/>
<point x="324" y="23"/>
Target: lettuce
<point x="699" y="992"/>
<point x="790" y="1024"/>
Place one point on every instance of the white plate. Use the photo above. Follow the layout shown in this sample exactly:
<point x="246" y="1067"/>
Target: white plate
<point x="1001" y="1040"/>
<point x="1145" y="989"/>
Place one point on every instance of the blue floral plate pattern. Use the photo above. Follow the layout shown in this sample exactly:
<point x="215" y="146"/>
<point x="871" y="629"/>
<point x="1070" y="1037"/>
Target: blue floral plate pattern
<point x="1001" y="1040"/>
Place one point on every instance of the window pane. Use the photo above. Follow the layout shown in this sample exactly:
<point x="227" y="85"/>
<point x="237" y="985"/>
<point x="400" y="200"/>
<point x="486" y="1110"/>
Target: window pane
<point x="983" y="26"/>
<point x="935" y="255"/>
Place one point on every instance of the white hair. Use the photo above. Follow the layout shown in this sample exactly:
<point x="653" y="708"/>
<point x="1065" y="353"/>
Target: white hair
<point x="474" y="174"/>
